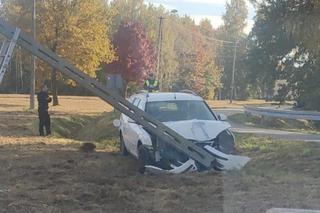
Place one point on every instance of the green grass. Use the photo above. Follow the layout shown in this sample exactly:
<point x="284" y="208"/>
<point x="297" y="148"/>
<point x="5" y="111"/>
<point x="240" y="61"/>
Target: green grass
<point x="278" y="157"/>
<point x="96" y="129"/>
<point x="277" y="123"/>
<point x="270" y="157"/>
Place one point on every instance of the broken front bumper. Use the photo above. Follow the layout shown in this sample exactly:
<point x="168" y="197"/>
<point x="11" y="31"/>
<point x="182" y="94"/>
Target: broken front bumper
<point x="224" y="162"/>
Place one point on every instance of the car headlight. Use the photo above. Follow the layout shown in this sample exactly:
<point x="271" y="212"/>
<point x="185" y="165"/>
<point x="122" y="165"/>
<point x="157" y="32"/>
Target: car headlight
<point x="226" y="142"/>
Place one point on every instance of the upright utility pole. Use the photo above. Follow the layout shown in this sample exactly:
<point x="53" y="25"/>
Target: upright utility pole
<point x="33" y="63"/>
<point x="159" y="50"/>
<point x="233" y="71"/>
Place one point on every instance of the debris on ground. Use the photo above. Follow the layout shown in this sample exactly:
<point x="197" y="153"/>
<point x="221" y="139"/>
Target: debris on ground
<point x="87" y="147"/>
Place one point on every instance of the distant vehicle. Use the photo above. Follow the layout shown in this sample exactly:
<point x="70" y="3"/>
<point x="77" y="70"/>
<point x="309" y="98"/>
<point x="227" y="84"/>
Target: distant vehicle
<point x="185" y="113"/>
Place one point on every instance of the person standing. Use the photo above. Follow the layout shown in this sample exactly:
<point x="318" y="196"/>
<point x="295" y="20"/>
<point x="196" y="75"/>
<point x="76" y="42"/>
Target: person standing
<point x="151" y="84"/>
<point x="44" y="117"/>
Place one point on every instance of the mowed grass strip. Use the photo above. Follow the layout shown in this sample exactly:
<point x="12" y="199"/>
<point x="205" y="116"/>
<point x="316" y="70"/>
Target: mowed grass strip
<point x="279" y="157"/>
<point x="295" y="125"/>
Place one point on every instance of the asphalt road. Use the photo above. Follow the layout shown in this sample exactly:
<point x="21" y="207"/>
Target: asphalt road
<point x="279" y="134"/>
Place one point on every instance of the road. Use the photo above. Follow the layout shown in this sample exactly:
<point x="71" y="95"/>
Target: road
<point x="279" y="134"/>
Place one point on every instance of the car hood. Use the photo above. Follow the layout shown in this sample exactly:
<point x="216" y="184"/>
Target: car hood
<point x="199" y="130"/>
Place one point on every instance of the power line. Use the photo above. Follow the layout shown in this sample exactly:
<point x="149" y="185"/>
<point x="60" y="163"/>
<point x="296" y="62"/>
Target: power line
<point x="226" y="45"/>
<point x="235" y="46"/>
<point x="222" y="42"/>
<point x="219" y="40"/>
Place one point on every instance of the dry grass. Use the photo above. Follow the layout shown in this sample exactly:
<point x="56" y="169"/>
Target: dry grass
<point x="235" y="104"/>
<point x="68" y="104"/>
<point x="52" y="175"/>
<point x="92" y="105"/>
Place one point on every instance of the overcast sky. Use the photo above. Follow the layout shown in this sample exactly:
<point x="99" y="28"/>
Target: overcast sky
<point x="199" y="9"/>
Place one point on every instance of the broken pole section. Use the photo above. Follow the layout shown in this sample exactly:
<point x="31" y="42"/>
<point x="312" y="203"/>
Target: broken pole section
<point x="148" y="122"/>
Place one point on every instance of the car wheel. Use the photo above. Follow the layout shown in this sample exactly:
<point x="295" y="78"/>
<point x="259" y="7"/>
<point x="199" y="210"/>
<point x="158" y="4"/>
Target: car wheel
<point x="123" y="149"/>
<point x="143" y="158"/>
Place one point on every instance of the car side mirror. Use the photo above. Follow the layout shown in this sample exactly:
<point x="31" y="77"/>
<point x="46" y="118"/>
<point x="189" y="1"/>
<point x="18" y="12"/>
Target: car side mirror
<point x="222" y="117"/>
<point x="116" y="123"/>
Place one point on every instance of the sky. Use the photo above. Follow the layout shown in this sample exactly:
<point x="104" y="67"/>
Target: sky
<point x="200" y="9"/>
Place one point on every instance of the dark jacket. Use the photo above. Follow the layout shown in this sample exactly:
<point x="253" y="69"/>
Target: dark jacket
<point x="43" y="101"/>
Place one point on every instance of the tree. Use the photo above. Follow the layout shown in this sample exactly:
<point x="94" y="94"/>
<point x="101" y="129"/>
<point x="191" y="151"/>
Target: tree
<point x="196" y="58"/>
<point x="177" y="40"/>
<point x="127" y="9"/>
<point x="74" y="29"/>
<point x="269" y="43"/>
<point x="148" y="15"/>
<point x="286" y="38"/>
<point x="232" y="30"/>
<point x="135" y="52"/>
<point x="197" y="74"/>
<point x="212" y="73"/>
<point x="60" y="31"/>
<point x="235" y="19"/>
<point x="301" y="21"/>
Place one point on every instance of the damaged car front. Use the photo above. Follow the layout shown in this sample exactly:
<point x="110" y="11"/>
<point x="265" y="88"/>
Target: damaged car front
<point x="189" y="116"/>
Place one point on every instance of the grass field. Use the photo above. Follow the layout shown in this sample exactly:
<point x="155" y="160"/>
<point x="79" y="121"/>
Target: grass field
<point x="236" y="104"/>
<point x="304" y="126"/>
<point x="93" y="105"/>
<point x="52" y="175"/>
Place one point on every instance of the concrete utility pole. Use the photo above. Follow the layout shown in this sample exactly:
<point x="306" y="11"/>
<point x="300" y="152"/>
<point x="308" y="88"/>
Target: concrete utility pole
<point x="159" y="50"/>
<point x="33" y="63"/>
<point x="160" y="37"/>
<point x="233" y="72"/>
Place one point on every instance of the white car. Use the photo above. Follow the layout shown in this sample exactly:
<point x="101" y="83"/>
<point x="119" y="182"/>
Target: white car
<point x="185" y="113"/>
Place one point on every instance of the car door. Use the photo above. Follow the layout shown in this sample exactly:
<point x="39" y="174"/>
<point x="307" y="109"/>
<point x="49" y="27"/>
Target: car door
<point x="126" y="131"/>
<point x="131" y="128"/>
<point x="137" y="129"/>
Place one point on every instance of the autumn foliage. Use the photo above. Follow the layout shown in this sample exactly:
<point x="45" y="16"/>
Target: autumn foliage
<point x="135" y="52"/>
<point x="118" y="36"/>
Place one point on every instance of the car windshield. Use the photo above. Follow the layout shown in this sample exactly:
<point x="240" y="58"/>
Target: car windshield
<point x="166" y="111"/>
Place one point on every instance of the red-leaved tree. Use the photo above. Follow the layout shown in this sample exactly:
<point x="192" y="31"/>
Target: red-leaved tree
<point x="136" y="54"/>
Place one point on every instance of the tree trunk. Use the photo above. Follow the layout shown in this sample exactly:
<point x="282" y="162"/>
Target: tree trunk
<point x="54" y="87"/>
